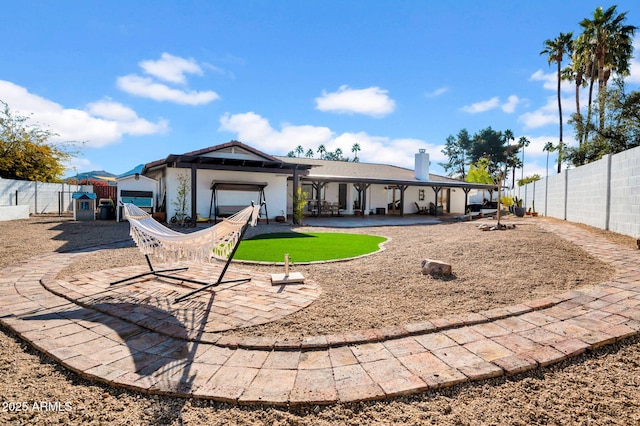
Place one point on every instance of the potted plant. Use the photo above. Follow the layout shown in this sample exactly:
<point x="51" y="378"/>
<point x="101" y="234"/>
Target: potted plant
<point x="507" y="201"/>
<point x="534" y="213"/>
<point x="518" y="209"/>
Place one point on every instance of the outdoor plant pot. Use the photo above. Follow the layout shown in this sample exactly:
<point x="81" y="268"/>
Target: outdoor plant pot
<point x="160" y="216"/>
<point x="519" y="211"/>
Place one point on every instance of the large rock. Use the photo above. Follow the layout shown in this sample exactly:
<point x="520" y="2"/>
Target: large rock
<point x="435" y="267"/>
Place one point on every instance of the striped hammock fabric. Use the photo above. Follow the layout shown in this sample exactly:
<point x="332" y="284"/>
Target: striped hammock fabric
<point x="218" y="241"/>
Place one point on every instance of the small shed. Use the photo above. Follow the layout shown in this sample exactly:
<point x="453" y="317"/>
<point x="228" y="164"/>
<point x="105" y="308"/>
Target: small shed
<point x="84" y="205"/>
<point x="138" y="190"/>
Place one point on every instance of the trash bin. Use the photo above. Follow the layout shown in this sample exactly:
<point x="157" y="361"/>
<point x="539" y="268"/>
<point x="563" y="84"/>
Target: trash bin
<point x="106" y="209"/>
<point x="104" y="212"/>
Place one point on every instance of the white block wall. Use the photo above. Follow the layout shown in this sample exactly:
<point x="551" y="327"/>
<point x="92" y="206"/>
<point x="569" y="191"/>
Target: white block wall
<point x="41" y="197"/>
<point x="587" y="193"/>
<point x="604" y="194"/>
<point x="624" y="211"/>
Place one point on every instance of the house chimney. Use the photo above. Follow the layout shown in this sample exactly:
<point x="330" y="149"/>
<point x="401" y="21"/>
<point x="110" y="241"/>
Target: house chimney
<point x="422" y="165"/>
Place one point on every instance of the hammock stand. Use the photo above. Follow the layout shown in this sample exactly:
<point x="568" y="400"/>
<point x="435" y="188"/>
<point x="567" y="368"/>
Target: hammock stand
<point x="136" y="216"/>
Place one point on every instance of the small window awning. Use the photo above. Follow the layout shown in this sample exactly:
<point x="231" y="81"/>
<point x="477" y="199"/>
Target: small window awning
<point x="237" y="185"/>
<point x="83" y="196"/>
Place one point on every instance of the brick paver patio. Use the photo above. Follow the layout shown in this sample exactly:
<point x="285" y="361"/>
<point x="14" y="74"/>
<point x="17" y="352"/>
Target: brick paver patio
<point x="132" y="336"/>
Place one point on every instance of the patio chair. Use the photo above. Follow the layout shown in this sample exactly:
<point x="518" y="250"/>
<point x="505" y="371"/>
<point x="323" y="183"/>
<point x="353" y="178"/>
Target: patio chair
<point x="421" y="209"/>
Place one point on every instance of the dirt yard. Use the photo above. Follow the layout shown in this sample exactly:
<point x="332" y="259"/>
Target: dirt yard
<point x="491" y="269"/>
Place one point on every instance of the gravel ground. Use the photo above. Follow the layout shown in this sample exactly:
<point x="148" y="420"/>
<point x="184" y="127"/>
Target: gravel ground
<point x="491" y="269"/>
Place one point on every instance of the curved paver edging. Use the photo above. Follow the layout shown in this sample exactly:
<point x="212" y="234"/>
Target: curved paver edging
<point x="381" y="248"/>
<point x="113" y="351"/>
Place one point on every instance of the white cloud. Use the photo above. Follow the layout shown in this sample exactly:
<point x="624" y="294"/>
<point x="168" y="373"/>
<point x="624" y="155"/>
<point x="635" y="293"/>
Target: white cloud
<point x="437" y="92"/>
<point x="168" y="68"/>
<point x="256" y="131"/>
<point x="371" y="101"/>
<point x="550" y="81"/>
<point x="101" y="123"/>
<point x="548" y="113"/>
<point x="482" y="106"/>
<point x="147" y="88"/>
<point x="511" y="104"/>
<point x="171" y="68"/>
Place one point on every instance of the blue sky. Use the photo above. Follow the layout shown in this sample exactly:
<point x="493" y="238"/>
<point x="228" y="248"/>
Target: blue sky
<point x="138" y="80"/>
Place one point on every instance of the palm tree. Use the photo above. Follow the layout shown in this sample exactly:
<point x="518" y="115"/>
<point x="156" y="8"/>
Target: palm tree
<point x="556" y="49"/>
<point x="582" y="71"/>
<point x="355" y="149"/>
<point x="548" y="147"/>
<point x="309" y="153"/>
<point x="299" y="150"/>
<point x="322" y="150"/>
<point x="338" y="154"/>
<point x="611" y="43"/>
<point x="507" y="136"/>
<point x="522" y="143"/>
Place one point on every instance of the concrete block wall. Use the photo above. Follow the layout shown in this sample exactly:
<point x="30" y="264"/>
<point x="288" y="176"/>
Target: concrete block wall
<point x="587" y="193"/>
<point x="604" y="194"/>
<point x="41" y="197"/>
<point x="624" y="211"/>
<point x="555" y="200"/>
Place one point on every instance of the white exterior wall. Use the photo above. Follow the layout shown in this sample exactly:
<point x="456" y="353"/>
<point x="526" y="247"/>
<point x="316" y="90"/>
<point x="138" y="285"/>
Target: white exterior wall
<point x="457" y="201"/>
<point x="275" y="192"/>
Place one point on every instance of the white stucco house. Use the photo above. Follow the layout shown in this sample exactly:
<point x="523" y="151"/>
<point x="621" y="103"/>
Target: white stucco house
<point x="227" y="177"/>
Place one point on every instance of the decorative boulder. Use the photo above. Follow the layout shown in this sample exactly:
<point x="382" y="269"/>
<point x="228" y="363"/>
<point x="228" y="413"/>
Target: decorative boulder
<point x="435" y="267"/>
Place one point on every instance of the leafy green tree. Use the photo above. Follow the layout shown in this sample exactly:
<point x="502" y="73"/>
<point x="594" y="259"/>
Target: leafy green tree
<point x="26" y="151"/>
<point x="479" y="173"/>
<point x="309" y="153"/>
<point x="492" y="145"/>
<point x="528" y="179"/>
<point x="556" y="49"/>
<point x="182" y="195"/>
<point x="299" y="202"/>
<point x="456" y="149"/>
<point x="299" y="150"/>
<point x="322" y="151"/>
<point x="621" y="130"/>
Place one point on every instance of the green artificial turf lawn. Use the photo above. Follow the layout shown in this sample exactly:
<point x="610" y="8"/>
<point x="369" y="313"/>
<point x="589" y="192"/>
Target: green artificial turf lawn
<point x="307" y="247"/>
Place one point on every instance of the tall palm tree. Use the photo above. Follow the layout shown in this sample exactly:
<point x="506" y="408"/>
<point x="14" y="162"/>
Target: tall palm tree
<point x="556" y="50"/>
<point x="583" y="73"/>
<point x="299" y="150"/>
<point x="355" y="149"/>
<point x="309" y="153"/>
<point x="322" y="150"/>
<point x="611" y="42"/>
<point x="507" y="136"/>
<point x="522" y="143"/>
<point x="548" y="147"/>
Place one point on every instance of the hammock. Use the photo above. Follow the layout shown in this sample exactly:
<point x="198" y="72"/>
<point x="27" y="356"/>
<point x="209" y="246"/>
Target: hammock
<point x="219" y="241"/>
